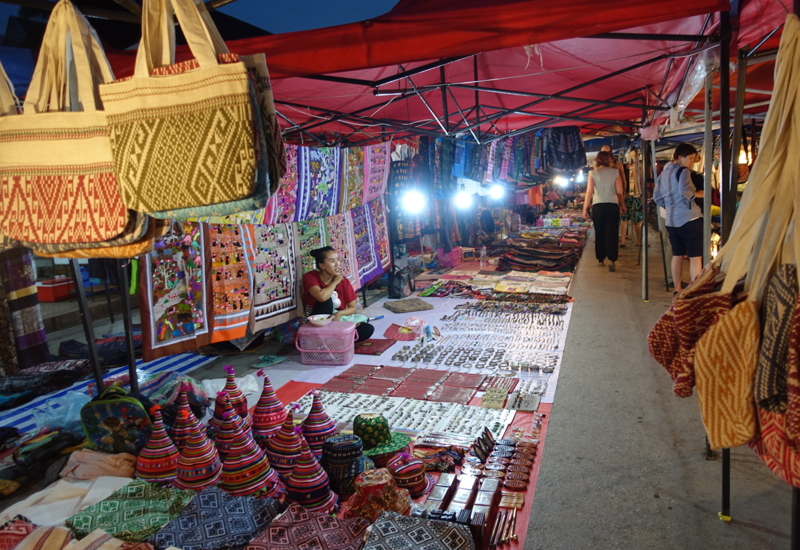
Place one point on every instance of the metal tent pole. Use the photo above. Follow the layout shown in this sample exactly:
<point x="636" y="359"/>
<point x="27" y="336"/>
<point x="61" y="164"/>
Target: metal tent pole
<point x="86" y="321"/>
<point x="643" y="252"/>
<point x="738" y="122"/>
<point x="122" y="270"/>
<point x="658" y="216"/>
<point x="795" y="519"/>
<point x="708" y="169"/>
<point x="728" y="201"/>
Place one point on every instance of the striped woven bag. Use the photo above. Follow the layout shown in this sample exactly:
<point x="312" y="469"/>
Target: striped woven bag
<point x="9" y="105"/>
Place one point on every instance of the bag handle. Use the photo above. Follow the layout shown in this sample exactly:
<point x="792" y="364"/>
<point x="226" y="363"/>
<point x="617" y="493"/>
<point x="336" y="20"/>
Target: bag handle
<point x="9" y="102"/>
<point x="70" y="67"/>
<point x="157" y="47"/>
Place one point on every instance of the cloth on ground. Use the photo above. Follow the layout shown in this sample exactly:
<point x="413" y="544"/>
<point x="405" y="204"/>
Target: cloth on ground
<point x="88" y="464"/>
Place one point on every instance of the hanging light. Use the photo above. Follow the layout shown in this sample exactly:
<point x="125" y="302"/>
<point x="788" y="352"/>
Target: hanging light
<point x="560" y="180"/>
<point x="496" y="192"/>
<point x="463" y="200"/>
<point x="579" y="177"/>
<point x="742" y="157"/>
<point x="413" y="201"/>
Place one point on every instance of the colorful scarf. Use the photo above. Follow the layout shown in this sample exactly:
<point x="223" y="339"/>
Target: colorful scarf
<point x="18" y="277"/>
<point x="231" y="273"/>
<point x="319" y="177"/>
<point x="275" y="299"/>
<point x="342" y="238"/>
<point x="176" y="285"/>
<point x="378" y="160"/>
<point x="367" y="255"/>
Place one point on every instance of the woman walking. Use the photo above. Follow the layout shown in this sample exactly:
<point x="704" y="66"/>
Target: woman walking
<point x="604" y="193"/>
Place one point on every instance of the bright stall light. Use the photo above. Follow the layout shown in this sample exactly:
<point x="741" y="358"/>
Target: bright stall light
<point x="496" y="192"/>
<point x="413" y="201"/>
<point x="561" y="180"/>
<point x="579" y="177"/>
<point x="742" y="157"/>
<point x="463" y="200"/>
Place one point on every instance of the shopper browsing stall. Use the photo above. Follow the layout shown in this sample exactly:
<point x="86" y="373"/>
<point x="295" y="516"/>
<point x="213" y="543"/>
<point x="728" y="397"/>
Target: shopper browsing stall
<point x="676" y="193"/>
<point x="604" y="193"/>
<point x="328" y="292"/>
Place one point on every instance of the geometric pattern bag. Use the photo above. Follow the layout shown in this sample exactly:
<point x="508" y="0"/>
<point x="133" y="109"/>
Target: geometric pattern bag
<point x="134" y="231"/>
<point x="57" y="181"/>
<point x="155" y="229"/>
<point x="181" y="140"/>
<point x="8" y="107"/>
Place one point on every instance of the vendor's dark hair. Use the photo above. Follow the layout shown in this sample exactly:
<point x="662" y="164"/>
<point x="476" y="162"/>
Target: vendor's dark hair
<point x="683" y="150"/>
<point x="320" y="254"/>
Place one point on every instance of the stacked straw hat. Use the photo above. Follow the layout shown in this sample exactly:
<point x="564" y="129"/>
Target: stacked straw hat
<point x="380" y="444"/>
<point x="318" y="426"/>
<point x="228" y="426"/>
<point x="409" y="473"/>
<point x="158" y="460"/>
<point x="343" y="459"/>
<point x="283" y="449"/>
<point x="246" y="470"/>
<point x="236" y="397"/>
<point x="376" y="492"/>
<point x="199" y="465"/>
<point x="308" y="485"/>
<point x="269" y="413"/>
<point x="184" y="424"/>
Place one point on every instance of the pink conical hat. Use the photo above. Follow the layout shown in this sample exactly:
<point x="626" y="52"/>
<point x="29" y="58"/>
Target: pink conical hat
<point x="283" y="449"/>
<point x="318" y="426"/>
<point x="184" y="424"/>
<point x="308" y="484"/>
<point x="246" y="470"/>
<point x="236" y="396"/>
<point x="269" y="413"/>
<point x="199" y="465"/>
<point x="230" y="425"/>
<point x="158" y="460"/>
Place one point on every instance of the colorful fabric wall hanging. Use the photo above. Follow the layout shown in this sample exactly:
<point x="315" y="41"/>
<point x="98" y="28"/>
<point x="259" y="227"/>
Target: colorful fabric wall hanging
<point x="231" y="276"/>
<point x="275" y="292"/>
<point x="367" y="258"/>
<point x="353" y="178"/>
<point x="319" y="175"/>
<point x="378" y="160"/>
<point x="342" y="238"/>
<point x="310" y="235"/>
<point x="18" y="277"/>
<point x="174" y="292"/>
<point x="380" y="221"/>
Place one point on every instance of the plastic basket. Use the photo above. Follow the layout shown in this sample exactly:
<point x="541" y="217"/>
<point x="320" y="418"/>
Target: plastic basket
<point x="330" y="345"/>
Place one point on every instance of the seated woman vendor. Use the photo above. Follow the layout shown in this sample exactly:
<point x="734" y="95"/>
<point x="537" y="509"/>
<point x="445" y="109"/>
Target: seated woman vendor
<point x="327" y="290"/>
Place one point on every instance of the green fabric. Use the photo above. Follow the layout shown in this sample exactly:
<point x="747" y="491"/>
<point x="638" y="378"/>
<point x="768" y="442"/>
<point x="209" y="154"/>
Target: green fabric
<point x="132" y="513"/>
<point x="356" y="318"/>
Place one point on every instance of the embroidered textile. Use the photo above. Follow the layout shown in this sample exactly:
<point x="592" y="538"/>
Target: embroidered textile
<point x="299" y="528"/>
<point x="342" y="238"/>
<point x="14" y="531"/>
<point x="216" y="520"/>
<point x="311" y="235"/>
<point x="377" y="210"/>
<point x="319" y="178"/>
<point x="100" y="540"/>
<point x="231" y="273"/>
<point x="395" y="532"/>
<point x="275" y="298"/>
<point x="18" y="277"/>
<point x="353" y="179"/>
<point x="46" y="538"/>
<point x="378" y="161"/>
<point x="367" y="259"/>
<point x="132" y="513"/>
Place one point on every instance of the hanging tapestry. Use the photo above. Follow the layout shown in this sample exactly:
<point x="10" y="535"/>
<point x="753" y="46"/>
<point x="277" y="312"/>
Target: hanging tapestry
<point x="319" y="176"/>
<point x="275" y="292"/>
<point x="132" y="513"/>
<point x="174" y="292"/>
<point x="340" y="230"/>
<point x="8" y="348"/>
<point x="310" y="236"/>
<point x="380" y="221"/>
<point x="367" y="259"/>
<point x="18" y="277"/>
<point x="353" y="178"/>
<point x="231" y="273"/>
<point x="377" y="160"/>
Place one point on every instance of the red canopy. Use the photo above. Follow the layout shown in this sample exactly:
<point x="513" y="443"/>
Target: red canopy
<point x="524" y="46"/>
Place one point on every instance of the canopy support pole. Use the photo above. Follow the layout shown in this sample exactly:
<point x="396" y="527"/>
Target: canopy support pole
<point x="86" y="321"/>
<point x="124" y="285"/>
<point x="445" y="112"/>
<point x="738" y="122"/>
<point x="708" y="169"/>
<point x="643" y="251"/>
<point x="795" y="518"/>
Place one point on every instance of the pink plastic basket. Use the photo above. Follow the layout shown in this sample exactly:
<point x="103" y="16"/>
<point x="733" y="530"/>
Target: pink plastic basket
<point x="330" y="345"/>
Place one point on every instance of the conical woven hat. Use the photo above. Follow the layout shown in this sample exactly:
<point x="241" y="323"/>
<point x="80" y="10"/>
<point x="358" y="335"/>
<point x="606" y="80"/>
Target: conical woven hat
<point x="158" y="460"/>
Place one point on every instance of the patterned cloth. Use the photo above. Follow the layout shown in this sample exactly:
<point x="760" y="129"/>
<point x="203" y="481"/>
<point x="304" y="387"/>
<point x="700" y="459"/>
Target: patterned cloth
<point x="275" y="297"/>
<point x="286" y="203"/>
<point x="100" y="540"/>
<point x="380" y="220"/>
<point x="14" y="532"/>
<point x="297" y="528"/>
<point x="46" y="538"/>
<point x="231" y="274"/>
<point x="8" y="349"/>
<point x="395" y="532"/>
<point x="311" y="235"/>
<point x="18" y="277"/>
<point x="367" y="255"/>
<point x="173" y="300"/>
<point x="634" y="210"/>
<point x="353" y="170"/>
<point x="378" y="161"/>
<point x="319" y="177"/>
<point x="133" y="513"/>
<point x="216" y="520"/>
<point x="342" y="238"/>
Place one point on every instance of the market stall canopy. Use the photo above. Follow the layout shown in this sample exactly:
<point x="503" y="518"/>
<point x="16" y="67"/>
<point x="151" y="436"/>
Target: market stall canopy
<point x="531" y="63"/>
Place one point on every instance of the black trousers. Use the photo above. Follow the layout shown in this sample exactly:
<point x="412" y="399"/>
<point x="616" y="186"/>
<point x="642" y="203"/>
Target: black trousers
<point x="364" y="330"/>
<point x="605" y="217"/>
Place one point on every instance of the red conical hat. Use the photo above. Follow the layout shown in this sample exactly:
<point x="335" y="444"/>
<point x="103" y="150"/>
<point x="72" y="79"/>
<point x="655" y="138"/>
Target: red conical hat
<point x="308" y="484"/>
<point x="184" y="424"/>
<point x="229" y="427"/>
<point x="269" y="413"/>
<point x="236" y="396"/>
<point x="158" y="460"/>
<point x="246" y="470"/>
<point x="283" y="449"/>
<point x="318" y="426"/>
<point x="199" y="465"/>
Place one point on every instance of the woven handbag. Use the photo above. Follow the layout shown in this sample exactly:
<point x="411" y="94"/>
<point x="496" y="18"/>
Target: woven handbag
<point x="56" y="171"/>
<point x="155" y="230"/>
<point x="186" y="139"/>
<point x="134" y="232"/>
<point x="9" y="105"/>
